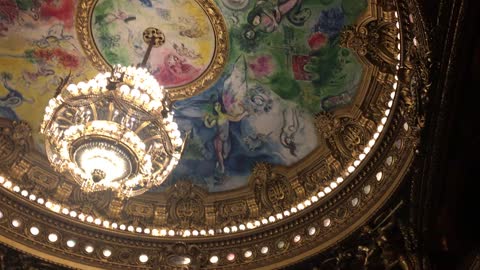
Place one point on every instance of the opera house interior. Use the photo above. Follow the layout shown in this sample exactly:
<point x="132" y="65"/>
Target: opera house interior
<point x="239" y="134"/>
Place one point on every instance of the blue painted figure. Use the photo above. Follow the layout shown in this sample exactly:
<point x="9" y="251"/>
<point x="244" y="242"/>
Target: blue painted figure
<point x="11" y="100"/>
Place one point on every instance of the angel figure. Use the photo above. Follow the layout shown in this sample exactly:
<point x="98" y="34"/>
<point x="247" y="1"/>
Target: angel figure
<point x="236" y="124"/>
<point x="209" y="117"/>
<point x="221" y="120"/>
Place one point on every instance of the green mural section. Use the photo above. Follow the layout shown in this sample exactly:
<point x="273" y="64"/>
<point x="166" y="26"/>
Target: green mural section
<point x="292" y="46"/>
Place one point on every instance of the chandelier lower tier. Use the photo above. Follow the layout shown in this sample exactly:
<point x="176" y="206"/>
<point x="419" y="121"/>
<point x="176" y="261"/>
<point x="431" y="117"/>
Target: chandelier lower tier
<point x="115" y="131"/>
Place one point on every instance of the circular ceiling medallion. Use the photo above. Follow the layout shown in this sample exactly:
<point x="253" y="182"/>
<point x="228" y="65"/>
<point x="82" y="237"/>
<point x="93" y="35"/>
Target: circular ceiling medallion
<point x="195" y="48"/>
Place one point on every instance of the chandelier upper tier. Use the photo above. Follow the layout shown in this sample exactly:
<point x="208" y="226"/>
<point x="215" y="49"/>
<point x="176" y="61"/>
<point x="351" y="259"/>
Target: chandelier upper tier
<point x="115" y="131"/>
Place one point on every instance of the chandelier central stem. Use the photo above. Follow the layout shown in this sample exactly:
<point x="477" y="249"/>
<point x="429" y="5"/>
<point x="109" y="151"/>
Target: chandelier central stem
<point x="147" y="53"/>
<point x="154" y="38"/>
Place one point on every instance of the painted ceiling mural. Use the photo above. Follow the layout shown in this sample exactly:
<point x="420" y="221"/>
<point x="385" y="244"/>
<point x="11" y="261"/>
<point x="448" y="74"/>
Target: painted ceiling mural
<point x="190" y="37"/>
<point x="284" y="66"/>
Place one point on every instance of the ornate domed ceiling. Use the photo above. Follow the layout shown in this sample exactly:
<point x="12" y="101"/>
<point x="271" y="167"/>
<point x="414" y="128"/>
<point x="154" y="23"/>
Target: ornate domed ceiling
<point x="300" y="119"/>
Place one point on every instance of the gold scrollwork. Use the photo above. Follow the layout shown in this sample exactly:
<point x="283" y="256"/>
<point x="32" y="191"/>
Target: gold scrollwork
<point x="41" y="177"/>
<point x="231" y="212"/>
<point x="321" y="175"/>
<point x="185" y="206"/>
<point x="375" y="41"/>
<point x="273" y="191"/>
<point x="15" y="138"/>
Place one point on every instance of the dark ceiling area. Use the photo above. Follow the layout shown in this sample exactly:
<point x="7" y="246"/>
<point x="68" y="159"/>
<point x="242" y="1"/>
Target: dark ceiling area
<point x="453" y="238"/>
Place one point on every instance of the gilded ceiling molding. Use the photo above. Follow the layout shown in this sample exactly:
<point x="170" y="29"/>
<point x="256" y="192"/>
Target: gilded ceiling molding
<point x="281" y="241"/>
<point x="15" y="140"/>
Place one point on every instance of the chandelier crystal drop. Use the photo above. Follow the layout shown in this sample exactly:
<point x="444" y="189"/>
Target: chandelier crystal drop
<point x="115" y="131"/>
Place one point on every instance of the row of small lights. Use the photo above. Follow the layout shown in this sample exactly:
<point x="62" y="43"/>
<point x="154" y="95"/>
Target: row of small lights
<point x="312" y="230"/>
<point x="143" y="258"/>
<point x="55" y="207"/>
<point x="54" y="237"/>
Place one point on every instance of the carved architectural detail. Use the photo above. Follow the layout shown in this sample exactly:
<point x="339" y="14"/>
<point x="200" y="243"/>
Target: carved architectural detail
<point x="139" y="209"/>
<point x="273" y="192"/>
<point x="20" y="168"/>
<point x="231" y="212"/>
<point x="355" y="39"/>
<point x="376" y="41"/>
<point x="15" y="139"/>
<point x="210" y="215"/>
<point x="322" y="174"/>
<point x="376" y="110"/>
<point x="174" y="255"/>
<point x="46" y="179"/>
<point x="7" y="149"/>
<point x="350" y="138"/>
<point x="326" y="124"/>
<point x="253" y="208"/>
<point x="185" y="206"/>
<point x="416" y="84"/>
<point x="63" y="191"/>
<point x="115" y="207"/>
<point x="89" y="202"/>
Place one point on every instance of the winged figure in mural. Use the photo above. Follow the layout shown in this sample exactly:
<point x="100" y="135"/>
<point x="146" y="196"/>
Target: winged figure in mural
<point x="209" y="116"/>
<point x="228" y="109"/>
<point x="237" y="123"/>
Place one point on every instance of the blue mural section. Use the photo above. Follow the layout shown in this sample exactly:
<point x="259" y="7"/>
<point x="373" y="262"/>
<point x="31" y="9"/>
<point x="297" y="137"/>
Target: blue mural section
<point x="235" y="124"/>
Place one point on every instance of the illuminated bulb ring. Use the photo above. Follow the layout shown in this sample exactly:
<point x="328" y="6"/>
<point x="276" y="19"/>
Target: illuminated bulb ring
<point x="135" y="95"/>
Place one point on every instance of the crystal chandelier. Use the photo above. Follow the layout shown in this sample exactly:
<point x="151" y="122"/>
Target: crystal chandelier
<point x="115" y="131"/>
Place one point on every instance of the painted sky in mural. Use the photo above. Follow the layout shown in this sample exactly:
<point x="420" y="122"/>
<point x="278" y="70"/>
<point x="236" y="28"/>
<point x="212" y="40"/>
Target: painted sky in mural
<point x="284" y="66"/>
<point x="117" y="29"/>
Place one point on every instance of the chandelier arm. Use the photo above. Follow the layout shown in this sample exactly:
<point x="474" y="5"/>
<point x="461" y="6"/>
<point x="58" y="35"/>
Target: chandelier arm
<point x="126" y="111"/>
